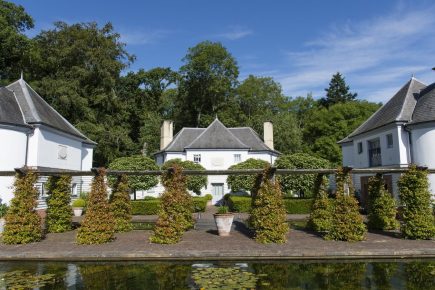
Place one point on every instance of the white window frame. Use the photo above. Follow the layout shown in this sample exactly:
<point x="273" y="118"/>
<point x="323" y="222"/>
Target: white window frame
<point x="360" y="147"/>
<point x="237" y="157"/>
<point x="197" y="158"/>
<point x="389" y="138"/>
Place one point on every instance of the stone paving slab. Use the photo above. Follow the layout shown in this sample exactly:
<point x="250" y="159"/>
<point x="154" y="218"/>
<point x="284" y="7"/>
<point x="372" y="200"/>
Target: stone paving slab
<point x="207" y="245"/>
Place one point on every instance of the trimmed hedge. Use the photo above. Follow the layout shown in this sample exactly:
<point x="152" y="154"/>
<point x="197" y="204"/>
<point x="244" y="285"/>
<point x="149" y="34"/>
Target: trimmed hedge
<point x="292" y="205"/>
<point x="239" y="203"/>
<point x="298" y="205"/>
<point x="151" y="206"/>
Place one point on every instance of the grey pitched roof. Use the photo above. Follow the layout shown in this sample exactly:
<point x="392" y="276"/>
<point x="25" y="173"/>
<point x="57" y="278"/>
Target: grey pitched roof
<point x="425" y="108"/>
<point x="217" y="136"/>
<point x="249" y="137"/>
<point x="37" y="111"/>
<point x="10" y="112"/>
<point x="183" y="138"/>
<point x="398" y="109"/>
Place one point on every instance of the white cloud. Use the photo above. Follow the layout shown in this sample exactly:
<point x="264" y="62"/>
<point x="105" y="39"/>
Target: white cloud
<point x="375" y="56"/>
<point x="137" y="37"/>
<point x="235" y="32"/>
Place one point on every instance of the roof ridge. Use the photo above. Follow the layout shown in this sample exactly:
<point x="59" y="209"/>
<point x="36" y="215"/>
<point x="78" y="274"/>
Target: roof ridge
<point x="80" y="134"/>
<point x="219" y="122"/>
<point x="18" y="104"/>
<point x="375" y="113"/>
<point x="411" y="82"/>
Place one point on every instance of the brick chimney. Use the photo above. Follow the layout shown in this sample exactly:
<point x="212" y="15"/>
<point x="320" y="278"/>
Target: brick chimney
<point x="166" y="133"/>
<point x="268" y="134"/>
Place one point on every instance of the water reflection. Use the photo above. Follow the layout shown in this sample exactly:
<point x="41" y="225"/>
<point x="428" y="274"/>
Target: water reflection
<point x="219" y="275"/>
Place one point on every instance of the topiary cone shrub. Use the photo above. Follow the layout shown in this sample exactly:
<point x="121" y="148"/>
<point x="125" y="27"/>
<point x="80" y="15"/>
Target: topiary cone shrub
<point x="268" y="215"/>
<point x="381" y="207"/>
<point x="98" y="225"/>
<point x="418" y="220"/>
<point x="193" y="182"/>
<point x="23" y="224"/>
<point x="59" y="211"/>
<point x="120" y="205"/>
<point x="175" y="214"/>
<point x="321" y="213"/>
<point x="347" y="223"/>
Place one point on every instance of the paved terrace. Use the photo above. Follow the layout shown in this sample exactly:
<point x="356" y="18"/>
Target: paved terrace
<point x="203" y="243"/>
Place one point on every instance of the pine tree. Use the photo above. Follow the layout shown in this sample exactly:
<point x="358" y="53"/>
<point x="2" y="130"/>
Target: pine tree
<point x="321" y="213"/>
<point x="418" y="220"/>
<point x="23" y="224"/>
<point x="347" y="223"/>
<point x="59" y="211"/>
<point x="120" y="205"/>
<point x="337" y="92"/>
<point x="175" y="214"/>
<point x="381" y="207"/>
<point x="98" y="225"/>
<point x="268" y="215"/>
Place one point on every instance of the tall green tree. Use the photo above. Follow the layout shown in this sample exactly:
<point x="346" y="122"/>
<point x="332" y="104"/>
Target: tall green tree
<point x="325" y="126"/>
<point x="337" y="92"/>
<point x="76" y="68"/>
<point x="208" y="79"/>
<point x="14" y="44"/>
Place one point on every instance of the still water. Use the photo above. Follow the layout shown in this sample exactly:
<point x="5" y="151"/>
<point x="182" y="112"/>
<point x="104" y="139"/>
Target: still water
<point x="401" y="274"/>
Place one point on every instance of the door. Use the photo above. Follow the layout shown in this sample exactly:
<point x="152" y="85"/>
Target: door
<point x="217" y="190"/>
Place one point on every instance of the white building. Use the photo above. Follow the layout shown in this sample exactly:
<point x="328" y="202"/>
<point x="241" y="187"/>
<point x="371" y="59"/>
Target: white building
<point x="33" y="134"/>
<point x="400" y="133"/>
<point x="216" y="148"/>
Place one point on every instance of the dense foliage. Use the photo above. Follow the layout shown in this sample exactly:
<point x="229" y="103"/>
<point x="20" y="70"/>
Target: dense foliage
<point x="23" y="224"/>
<point x="59" y="211"/>
<point x="268" y="216"/>
<point x="337" y="92"/>
<point x="137" y="162"/>
<point x="302" y="183"/>
<point x="175" y="214"/>
<point x="347" y="223"/>
<point x="381" y="206"/>
<point x="98" y="225"/>
<point x="245" y="182"/>
<point x="193" y="182"/>
<point x="81" y="69"/>
<point x="152" y="206"/>
<point x="321" y="213"/>
<point x="120" y="204"/>
<point x="418" y="220"/>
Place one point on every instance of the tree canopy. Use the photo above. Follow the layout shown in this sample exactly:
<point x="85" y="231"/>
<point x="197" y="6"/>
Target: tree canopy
<point x="337" y="92"/>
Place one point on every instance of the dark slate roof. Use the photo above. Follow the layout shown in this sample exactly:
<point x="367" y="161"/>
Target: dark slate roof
<point x="10" y="112"/>
<point x="183" y="138"/>
<point x="37" y="111"/>
<point x="398" y="109"/>
<point x="217" y="136"/>
<point x="425" y="108"/>
<point x="249" y="137"/>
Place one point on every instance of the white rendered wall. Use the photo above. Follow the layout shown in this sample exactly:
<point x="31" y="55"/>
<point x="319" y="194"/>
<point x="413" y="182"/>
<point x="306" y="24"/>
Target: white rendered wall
<point x="12" y="155"/>
<point x="395" y="156"/>
<point x="48" y="150"/>
<point x="348" y="152"/>
<point x="423" y="150"/>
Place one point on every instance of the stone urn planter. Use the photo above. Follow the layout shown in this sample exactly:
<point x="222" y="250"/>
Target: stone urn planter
<point x="78" y="206"/>
<point x="224" y="220"/>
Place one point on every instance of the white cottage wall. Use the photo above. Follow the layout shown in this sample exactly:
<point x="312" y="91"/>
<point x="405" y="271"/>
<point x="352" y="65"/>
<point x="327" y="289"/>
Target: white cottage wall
<point x="423" y="148"/>
<point x="12" y="155"/>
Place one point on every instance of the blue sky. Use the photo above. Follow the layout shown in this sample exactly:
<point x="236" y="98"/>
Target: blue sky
<point x="377" y="45"/>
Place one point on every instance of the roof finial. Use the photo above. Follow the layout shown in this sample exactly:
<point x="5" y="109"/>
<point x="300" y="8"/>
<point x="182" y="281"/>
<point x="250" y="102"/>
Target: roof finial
<point x="412" y="76"/>
<point x="216" y="116"/>
<point x="21" y="77"/>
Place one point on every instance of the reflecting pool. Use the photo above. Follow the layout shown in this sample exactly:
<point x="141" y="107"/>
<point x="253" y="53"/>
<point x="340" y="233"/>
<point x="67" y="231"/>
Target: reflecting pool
<point x="401" y="274"/>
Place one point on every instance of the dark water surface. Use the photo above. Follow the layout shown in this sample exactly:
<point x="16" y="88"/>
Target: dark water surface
<point x="401" y="274"/>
